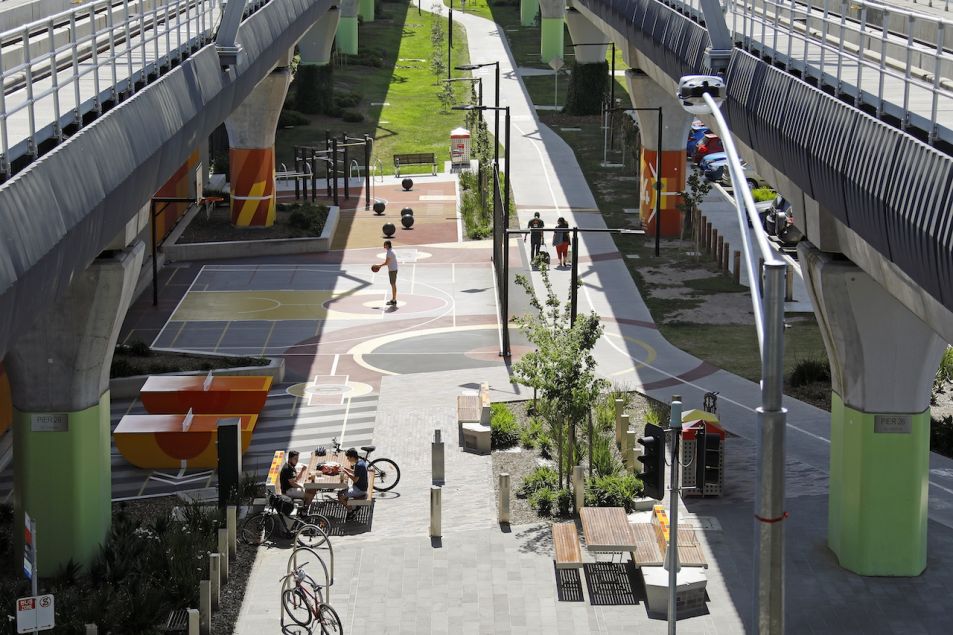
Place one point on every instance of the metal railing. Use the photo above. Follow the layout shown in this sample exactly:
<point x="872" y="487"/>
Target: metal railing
<point x="896" y="61"/>
<point x="57" y="70"/>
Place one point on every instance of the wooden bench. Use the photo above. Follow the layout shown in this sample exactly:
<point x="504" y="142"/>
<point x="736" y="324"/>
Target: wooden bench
<point x="417" y="158"/>
<point x="649" y="552"/>
<point x="566" y="546"/>
<point x="369" y="499"/>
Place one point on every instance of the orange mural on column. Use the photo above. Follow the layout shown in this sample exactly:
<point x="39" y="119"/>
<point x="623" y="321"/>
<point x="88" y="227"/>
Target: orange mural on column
<point x="179" y="185"/>
<point x="253" y="186"/>
<point x="6" y="401"/>
<point x="673" y="182"/>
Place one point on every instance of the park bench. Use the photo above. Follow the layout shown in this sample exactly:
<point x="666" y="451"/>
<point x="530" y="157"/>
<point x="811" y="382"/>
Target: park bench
<point x="566" y="546"/>
<point x="369" y="499"/>
<point x="650" y="547"/>
<point x="416" y="158"/>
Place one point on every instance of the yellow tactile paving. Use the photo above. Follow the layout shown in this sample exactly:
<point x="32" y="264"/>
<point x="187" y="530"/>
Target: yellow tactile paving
<point x="239" y="306"/>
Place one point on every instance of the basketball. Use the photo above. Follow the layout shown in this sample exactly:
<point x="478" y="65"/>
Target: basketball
<point x="375" y="268"/>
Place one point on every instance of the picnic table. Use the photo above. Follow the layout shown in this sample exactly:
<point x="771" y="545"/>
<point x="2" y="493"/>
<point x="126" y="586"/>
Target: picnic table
<point x="214" y="394"/>
<point x="168" y="441"/>
<point x="606" y="530"/>
<point x="316" y="480"/>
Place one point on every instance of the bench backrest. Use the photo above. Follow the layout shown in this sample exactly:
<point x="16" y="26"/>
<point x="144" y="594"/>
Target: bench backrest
<point x="414" y="158"/>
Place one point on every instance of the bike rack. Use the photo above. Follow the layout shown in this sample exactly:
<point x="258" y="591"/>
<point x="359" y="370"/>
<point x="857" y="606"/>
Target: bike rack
<point x="327" y="541"/>
<point x="354" y="166"/>
<point x="286" y="581"/>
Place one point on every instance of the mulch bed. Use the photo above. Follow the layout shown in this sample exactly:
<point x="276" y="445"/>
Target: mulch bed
<point x="217" y="228"/>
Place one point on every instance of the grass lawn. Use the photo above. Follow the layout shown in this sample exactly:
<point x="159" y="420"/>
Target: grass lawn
<point x="398" y="100"/>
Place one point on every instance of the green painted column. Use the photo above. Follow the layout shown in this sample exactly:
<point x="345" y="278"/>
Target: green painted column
<point x="528" y="12"/>
<point x="346" y="38"/>
<point x="551" y="39"/>
<point x="879" y="479"/>
<point x="883" y="359"/>
<point x="63" y="479"/>
<point x="365" y="9"/>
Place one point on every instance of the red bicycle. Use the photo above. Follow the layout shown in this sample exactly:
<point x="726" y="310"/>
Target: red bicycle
<point x="304" y="603"/>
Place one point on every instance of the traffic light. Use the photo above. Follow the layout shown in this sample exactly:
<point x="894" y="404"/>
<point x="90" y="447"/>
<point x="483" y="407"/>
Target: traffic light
<point x="653" y="461"/>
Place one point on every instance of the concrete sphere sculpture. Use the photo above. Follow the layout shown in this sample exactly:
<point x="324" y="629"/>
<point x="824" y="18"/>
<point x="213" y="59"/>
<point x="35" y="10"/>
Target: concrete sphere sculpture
<point x="407" y="221"/>
<point x="388" y="229"/>
<point x="407" y="184"/>
<point x="379" y="207"/>
<point x="407" y="211"/>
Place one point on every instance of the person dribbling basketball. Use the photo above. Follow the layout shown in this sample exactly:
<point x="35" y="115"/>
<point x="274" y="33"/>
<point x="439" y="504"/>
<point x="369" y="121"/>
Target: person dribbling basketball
<point x="390" y="260"/>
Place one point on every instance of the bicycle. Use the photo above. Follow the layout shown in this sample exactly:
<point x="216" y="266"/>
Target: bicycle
<point x="311" y="530"/>
<point x="304" y="603"/>
<point x="387" y="474"/>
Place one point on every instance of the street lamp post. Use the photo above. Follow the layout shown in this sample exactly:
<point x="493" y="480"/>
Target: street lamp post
<point x="658" y="175"/>
<point x="449" y="38"/>
<point x="496" y="103"/>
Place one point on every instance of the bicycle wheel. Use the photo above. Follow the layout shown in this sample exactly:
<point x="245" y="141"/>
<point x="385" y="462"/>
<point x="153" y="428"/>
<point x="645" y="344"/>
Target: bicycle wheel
<point x="297" y="606"/>
<point x="329" y="620"/>
<point x="387" y="474"/>
<point x="257" y="528"/>
<point x="310" y="535"/>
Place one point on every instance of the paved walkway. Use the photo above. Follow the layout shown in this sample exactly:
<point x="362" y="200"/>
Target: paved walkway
<point x="478" y="579"/>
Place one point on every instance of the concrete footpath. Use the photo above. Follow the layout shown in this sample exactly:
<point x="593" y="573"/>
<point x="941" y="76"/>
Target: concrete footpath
<point x="478" y="578"/>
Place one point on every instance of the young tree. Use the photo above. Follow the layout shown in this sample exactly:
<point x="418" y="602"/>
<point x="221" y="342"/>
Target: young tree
<point x="562" y="368"/>
<point x="696" y="188"/>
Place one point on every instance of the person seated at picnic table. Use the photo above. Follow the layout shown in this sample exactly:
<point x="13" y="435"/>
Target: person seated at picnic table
<point x="291" y="479"/>
<point x="358" y="477"/>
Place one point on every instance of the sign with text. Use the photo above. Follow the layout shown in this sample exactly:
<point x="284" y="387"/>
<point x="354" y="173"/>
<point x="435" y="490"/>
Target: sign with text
<point x="35" y="614"/>
<point x="893" y="424"/>
<point x="49" y="422"/>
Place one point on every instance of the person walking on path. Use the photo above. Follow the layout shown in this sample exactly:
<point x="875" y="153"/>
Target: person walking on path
<point x="535" y="237"/>
<point x="561" y="240"/>
<point x="390" y="260"/>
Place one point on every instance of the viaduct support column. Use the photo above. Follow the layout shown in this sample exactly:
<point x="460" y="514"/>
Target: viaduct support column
<point x="646" y="93"/>
<point x="528" y="11"/>
<point x="251" y="155"/>
<point x="347" y="28"/>
<point x="551" y="28"/>
<point x="883" y="359"/>
<point x="59" y="373"/>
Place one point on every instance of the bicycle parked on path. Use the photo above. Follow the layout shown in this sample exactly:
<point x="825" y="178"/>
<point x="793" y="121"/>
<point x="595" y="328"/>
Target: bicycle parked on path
<point x="386" y="472"/>
<point x="309" y="529"/>
<point x="304" y="603"/>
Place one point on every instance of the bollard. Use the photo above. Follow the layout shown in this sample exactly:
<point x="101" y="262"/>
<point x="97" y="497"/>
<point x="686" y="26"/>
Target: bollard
<point x="619" y="404"/>
<point x="622" y="430"/>
<point x="713" y="250"/>
<point x="193" y="622"/>
<point x="231" y="523"/>
<point x="720" y="250"/>
<point x="223" y="551"/>
<point x="634" y="465"/>
<point x="205" y="607"/>
<point x="708" y="230"/>
<point x="737" y="272"/>
<point x="435" y="510"/>
<point x="504" y="498"/>
<point x="437" y="459"/>
<point x="701" y="233"/>
<point x="724" y="258"/>
<point x="92" y="629"/>
<point x="626" y="440"/>
<point x="579" y="486"/>
<point x="215" y="577"/>
<point x="789" y="284"/>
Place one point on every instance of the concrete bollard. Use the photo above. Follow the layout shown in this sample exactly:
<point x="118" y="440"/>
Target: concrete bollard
<point x="205" y="607"/>
<point x="622" y="430"/>
<point x="92" y="629"/>
<point x="724" y="258"/>
<point x="193" y="622"/>
<point x="632" y="451"/>
<point x="435" y="510"/>
<point x="789" y="284"/>
<point x="223" y="552"/>
<point x="504" y="505"/>
<point x="231" y="524"/>
<point x="215" y="577"/>
<point x="579" y="486"/>
<point x="437" y="460"/>
<point x="619" y="405"/>
<point x="720" y="250"/>
<point x="737" y="271"/>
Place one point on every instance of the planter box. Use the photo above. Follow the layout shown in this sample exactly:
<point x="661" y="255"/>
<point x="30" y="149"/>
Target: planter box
<point x="129" y="387"/>
<point x="173" y="250"/>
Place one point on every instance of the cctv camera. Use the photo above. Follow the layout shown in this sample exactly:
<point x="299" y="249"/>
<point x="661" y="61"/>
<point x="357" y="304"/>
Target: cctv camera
<point x="692" y="88"/>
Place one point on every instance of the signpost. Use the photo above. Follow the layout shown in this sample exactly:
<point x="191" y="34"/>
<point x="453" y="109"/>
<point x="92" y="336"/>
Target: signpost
<point x="33" y="613"/>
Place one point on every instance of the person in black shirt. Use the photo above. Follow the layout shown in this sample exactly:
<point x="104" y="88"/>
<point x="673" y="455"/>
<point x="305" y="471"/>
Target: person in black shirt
<point x="290" y="479"/>
<point x="358" y="477"/>
<point x="535" y="237"/>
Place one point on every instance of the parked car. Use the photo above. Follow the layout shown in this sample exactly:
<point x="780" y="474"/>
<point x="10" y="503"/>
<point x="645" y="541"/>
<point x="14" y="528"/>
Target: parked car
<point x="696" y="134"/>
<point x="715" y="168"/>
<point x="709" y="143"/>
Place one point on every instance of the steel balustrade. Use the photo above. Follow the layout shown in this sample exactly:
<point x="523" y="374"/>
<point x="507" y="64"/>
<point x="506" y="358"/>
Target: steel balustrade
<point x="57" y="70"/>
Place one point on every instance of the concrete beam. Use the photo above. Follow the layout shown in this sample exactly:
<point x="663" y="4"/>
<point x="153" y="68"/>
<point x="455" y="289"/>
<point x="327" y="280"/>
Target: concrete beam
<point x="582" y="30"/>
<point x="315" y="46"/>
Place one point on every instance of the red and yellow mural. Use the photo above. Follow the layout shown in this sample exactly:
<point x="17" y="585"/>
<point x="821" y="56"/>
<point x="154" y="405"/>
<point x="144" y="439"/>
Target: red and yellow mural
<point x="6" y="401"/>
<point x="252" y="181"/>
<point x="673" y="182"/>
<point x="180" y="185"/>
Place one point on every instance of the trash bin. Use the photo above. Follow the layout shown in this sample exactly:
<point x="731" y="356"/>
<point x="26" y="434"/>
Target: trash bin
<point x="460" y="146"/>
<point x="703" y="454"/>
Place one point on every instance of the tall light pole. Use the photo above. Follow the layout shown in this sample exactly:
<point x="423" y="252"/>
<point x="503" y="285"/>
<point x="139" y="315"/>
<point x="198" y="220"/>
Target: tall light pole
<point x="496" y="103"/>
<point x="701" y="95"/>
<point x="658" y="174"/>
<point x="449" y="38"/>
